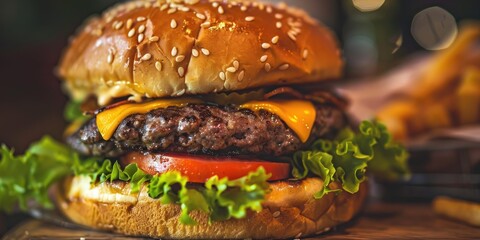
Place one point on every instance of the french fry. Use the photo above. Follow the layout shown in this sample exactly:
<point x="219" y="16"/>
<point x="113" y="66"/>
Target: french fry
<point x="468" y="97"/>
<point x="437" y="114"/>
<point x="447" y="94"/>
<point x="447" y="64"/>
<point x="464" y="211"/>
<point x="396" y="117"/>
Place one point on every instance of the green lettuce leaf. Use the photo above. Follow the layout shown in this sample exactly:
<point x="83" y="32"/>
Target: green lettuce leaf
<point x="232" y="198"/>
<point x="73" y="112"/>
<point x="171" y="187"/>
<point x="28" y="177"/>
<point x="315" y="163"/>
<point x="222" y="199"/>
<point x="346" y="158"/>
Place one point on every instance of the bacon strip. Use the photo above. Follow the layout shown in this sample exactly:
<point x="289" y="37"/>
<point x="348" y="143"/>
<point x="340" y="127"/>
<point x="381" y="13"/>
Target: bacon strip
<point x="284" y="91"/>
<point x="321" y="96"/>
<point x="327" y="97"/>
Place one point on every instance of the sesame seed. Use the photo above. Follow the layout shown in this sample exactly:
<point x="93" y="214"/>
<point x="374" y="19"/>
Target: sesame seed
<point x="131" y="32"/>
<point x="140" y="37"/>
<point x="201" y="16"/>
<point x="297" y="24"/>
<point x="205" y="51"/>
<point x="109" y="19"/>
<point x="184" y="9"/>
<point x="146" y="57"/>
<point x="275" y="40"/>
<point x="265" y="45"/>
<point x="305" y="54"/>
<point x="291" y="35"/>
<point x="241" y="75"/>
<point x="276" y="214"/>
<point x="263" y="58"/>
<point x="129" y="23"/>
<point x="278" y="16"/>
<point x="222" y="76"/>
<point x="249" y="18"/>
<point x="243" y="8"/>
<point x="284" y="66"/>
<point x="205" y="25"/>
<point x="181" y="71"/>
<point x="141" y="19"/>
<point x="269" y="9"/>
<point x="231" y="69"/>
<point x="278" y="25"/>
<point x="171" y="10"/>
<point x="164" y="6"/>
<point x="153" y="39"/>
<point x="118" y="25"/>
<point x="173" y="23"/>
<point x="158" y="66"/>
<point x="236" y="64"/>
<point x="296" y="30"/>
<point x="261" y="6"/>
<point x="174" y="51"/>
<point x="220" y="10"/>
<point x="215" y="4"/>
<point x="195" y="52"/>
<point x="141" y="29"/>
<point x="110" y="57"/>
<point x="179" y="58"/>
<point x="147" y="5"/>
<point x="267" y="67"/>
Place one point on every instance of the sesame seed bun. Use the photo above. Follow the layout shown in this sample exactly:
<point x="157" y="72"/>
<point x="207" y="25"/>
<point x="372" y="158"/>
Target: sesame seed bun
<point x="171" y="48"/>
<point x="289" y="211"/>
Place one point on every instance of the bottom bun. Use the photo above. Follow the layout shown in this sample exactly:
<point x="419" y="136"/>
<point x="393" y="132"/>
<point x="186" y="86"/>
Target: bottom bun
<point x="289" y="211"/>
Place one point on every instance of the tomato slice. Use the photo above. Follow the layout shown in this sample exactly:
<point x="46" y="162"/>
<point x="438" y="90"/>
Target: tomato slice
<point x="200" y="168"/>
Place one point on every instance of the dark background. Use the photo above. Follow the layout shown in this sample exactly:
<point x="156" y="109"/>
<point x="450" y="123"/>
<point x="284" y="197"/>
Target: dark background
<point x="34" y="32"/>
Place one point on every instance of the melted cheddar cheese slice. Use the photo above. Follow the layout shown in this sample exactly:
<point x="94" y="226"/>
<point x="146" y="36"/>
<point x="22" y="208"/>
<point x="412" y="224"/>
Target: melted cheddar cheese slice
<point x="108" y="120"/>
<point x="299" y="115"/>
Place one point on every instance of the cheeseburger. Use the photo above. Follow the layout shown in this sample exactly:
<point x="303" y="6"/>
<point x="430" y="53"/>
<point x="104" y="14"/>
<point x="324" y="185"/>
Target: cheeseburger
<point x="198" y="119"/>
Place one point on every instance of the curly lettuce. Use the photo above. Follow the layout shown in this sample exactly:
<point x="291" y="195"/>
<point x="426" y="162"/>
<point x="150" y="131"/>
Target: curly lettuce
<point x="346" y="158"/>
<point x="73" y="112"/>
<point x="29" y="176"/>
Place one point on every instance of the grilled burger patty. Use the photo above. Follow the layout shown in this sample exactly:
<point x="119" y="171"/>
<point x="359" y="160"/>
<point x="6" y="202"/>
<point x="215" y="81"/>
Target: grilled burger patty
<point x="206" y="129"/>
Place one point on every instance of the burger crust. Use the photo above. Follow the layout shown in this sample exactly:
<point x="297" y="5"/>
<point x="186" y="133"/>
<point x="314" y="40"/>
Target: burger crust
<point x="129" y="50"/>
<point x="289" y="211"/>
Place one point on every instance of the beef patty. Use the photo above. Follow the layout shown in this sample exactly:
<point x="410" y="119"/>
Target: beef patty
<point x="206" y="129"/>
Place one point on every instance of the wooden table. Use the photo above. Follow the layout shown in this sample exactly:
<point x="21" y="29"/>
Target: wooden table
<point x="378" y="221"/>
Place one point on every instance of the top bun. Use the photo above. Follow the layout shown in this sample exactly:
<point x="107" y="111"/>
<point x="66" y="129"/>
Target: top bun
<point x="175" y="47"/>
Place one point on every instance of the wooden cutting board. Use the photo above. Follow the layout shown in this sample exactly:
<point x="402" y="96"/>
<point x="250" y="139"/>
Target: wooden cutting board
<point x="377" y="221"/>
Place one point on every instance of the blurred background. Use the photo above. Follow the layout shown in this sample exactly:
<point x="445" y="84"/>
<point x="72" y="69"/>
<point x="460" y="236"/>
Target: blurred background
<point x="377" y="37"/>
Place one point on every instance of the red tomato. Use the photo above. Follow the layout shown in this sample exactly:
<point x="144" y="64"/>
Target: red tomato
<point x="199" y="168"/>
